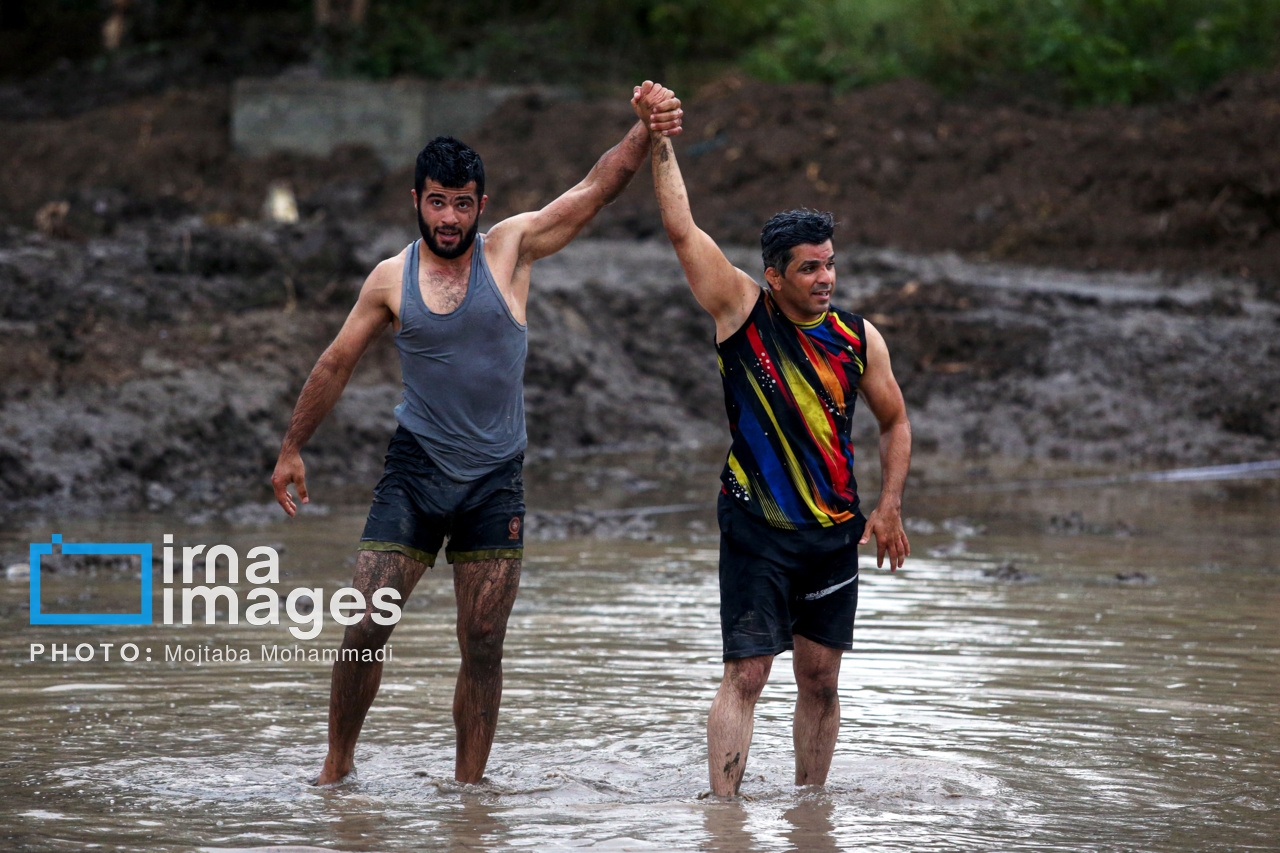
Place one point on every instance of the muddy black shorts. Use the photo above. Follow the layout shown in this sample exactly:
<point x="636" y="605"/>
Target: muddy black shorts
<point x="777" y="583"/>
<point x="416" y="506"/>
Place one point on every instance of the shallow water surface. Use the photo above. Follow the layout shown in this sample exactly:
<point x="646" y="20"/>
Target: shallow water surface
<point x="1067" y="710"/>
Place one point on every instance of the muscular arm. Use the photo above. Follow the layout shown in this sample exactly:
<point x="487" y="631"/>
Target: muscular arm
<point x="880" y="390"/>
<point x="327" y="380"/>
<point x="726" y="292"/>
<point x="550" y="229"/>
<point x="547" y="231"/>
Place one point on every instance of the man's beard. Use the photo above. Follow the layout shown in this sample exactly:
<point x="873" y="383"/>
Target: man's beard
<point x="448" y="254"/>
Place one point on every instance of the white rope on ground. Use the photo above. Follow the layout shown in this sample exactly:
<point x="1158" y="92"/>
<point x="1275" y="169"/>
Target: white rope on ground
<point x="1237" y="471"/>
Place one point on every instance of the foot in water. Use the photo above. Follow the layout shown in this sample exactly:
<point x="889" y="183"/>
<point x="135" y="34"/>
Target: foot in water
<point x="329" y="777"/>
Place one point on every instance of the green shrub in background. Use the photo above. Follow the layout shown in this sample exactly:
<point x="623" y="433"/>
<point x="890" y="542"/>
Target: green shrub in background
<point x="844" y="42"/>
<point x="1079" y="51"/>
<point x="1083" y="51"/>
<point x="1135" y="50"/>
<point x="577" y="41"/>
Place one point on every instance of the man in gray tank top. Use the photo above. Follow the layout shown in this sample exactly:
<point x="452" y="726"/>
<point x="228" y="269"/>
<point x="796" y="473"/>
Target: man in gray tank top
<point x="456" y="299"/>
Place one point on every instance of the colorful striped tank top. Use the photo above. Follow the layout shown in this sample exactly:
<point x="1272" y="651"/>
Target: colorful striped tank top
<point x="789" y="390"/>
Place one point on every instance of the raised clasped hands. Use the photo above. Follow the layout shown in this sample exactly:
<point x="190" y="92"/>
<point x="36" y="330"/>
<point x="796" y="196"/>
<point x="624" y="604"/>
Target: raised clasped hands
<point x="658" y="107"/>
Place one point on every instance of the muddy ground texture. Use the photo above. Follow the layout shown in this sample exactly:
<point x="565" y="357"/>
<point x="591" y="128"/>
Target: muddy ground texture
<point x="155" y="335"/>
<point x="1191" y="186"/>
<point x="165" y="375"/>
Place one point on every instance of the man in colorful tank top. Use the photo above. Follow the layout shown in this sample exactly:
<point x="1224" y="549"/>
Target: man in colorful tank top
<point x="456" y="299"/>
<point x="790" y="524"/>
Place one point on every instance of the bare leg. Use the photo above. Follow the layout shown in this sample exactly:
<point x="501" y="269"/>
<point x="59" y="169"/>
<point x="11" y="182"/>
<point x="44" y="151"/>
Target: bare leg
<point x="732" y="721"/>
<point x="817" y="721"/>
<point x="486" y="591"/>
<point x="354" y="684"/>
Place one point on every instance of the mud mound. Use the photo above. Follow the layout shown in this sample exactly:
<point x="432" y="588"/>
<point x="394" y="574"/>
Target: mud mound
<point x="160" y="366"/>
<point x="1187" y="186"/>
<point x="161" y="157"/>
<point x="166" y="373"/>
<point x="156" y="335"/>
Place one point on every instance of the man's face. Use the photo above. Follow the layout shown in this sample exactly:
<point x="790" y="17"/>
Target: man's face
<point x="448" y="217"/>
<point x="804" y="290"/>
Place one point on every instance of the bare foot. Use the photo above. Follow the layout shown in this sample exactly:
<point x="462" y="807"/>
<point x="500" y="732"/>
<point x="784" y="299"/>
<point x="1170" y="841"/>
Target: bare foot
<point x="331" y="776"/>
<point x="731" y="798"/>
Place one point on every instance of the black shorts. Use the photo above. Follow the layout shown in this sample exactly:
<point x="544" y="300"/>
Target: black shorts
<point x="416" y="506"/>
<point x="777" y="583"/>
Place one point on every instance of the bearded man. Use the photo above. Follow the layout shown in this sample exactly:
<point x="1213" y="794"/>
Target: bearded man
<point x="456" y="299"/>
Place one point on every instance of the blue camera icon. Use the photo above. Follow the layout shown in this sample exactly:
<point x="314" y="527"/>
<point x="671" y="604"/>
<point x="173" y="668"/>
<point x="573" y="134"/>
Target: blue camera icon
<point x="142" y="549"/>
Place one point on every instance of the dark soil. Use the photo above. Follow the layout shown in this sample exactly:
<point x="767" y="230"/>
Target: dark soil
<point x="1189" y="186"/>
<point x="1182" y="187"/>
<point x="158" y="368"/>
<point x="154" y="338"/>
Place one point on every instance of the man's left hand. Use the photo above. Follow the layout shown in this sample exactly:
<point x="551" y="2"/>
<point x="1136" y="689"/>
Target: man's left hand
<point x="886" y="525"/>
<point x="658" y="107"/>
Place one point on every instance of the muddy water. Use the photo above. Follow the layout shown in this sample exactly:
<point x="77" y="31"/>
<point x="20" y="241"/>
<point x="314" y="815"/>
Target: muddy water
<point x="1066" y="710"/>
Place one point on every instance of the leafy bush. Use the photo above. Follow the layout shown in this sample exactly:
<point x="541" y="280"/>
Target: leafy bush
<point x="564" y="41"/>
<point x="1133" y="50"/>
<point x="1084" y="51"/>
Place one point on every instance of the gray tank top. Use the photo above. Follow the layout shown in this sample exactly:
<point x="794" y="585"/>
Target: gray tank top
<point x="463" y="373"/>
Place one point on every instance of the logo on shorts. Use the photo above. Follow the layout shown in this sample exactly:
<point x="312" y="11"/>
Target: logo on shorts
<point x="514" y="527"/>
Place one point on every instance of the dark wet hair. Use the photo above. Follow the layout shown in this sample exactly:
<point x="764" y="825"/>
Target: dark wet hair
<point x="451" y="163"/>
<point x="793" y="228"/>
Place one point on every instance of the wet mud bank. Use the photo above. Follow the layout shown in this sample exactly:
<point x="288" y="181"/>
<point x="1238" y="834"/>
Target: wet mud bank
<point x="1188" y="185"/>
<point x="157" y="368"/>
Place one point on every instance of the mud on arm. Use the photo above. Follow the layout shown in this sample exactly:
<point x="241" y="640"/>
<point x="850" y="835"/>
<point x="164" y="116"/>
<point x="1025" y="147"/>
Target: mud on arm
<point x="325" y="385"/>
<point x="726" y="292"/>
<point x="545" y="232"/>
<point x="550" y="229"/>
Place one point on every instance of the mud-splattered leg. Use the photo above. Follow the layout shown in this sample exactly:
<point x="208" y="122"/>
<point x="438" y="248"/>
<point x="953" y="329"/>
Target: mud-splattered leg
<point x="486" y="591"/>
<point x="732" y="721"/>
<point x="354" y="684"/>
<point x="817" y="719"/>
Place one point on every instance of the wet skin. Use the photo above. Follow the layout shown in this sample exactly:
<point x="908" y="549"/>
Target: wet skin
<point x="803" y="292"/>
<point x="485" y="592"/>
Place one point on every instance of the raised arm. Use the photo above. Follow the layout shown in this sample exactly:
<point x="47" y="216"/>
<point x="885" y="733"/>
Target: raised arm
<point x="880" y="390"/>
<point x="726" y="292"/>
<point x="544" y="232"/>
<point x="328" y="378"/>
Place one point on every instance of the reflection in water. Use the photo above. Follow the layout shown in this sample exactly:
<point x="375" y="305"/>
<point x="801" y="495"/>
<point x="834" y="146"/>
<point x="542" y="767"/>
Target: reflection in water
<point x="1069" y="711"/>
<point x="812" y="829"/>
<point x="726" y="825"/>
<point x="806" y="826"/>
<point x="474" y="826"/>
<point x="355" y="822"/>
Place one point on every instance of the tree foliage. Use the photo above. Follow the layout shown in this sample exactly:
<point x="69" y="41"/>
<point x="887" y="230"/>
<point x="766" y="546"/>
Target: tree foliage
<point x="1081" y="51"/>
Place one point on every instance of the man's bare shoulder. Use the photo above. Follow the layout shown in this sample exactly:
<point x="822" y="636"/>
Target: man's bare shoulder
<point x="875" y="340"/>
<point x="386" y="276"/>
<point x="506" y="235"/>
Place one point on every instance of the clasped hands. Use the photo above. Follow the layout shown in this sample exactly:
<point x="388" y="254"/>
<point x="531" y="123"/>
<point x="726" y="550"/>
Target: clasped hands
<point x="658" y="107"/>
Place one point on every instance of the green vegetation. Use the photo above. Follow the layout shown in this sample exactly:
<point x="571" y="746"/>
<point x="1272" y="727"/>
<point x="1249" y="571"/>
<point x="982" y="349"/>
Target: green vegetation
<point x="1079" y="51"/>
<point x="1082" y="51"/>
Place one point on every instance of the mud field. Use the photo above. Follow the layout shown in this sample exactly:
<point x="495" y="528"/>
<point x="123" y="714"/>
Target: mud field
<point x="155" y="332"/>
<point x="167" y="371"/>
<point x="1191" y="186"/>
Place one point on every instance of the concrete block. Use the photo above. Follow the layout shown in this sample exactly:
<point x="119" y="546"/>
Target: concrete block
<point x="395" y="119"/>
